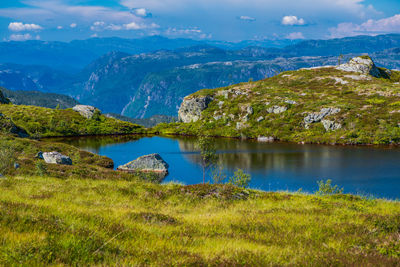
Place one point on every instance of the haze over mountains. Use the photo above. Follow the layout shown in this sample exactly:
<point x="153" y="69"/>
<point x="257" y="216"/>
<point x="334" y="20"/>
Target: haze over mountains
<point x="143" y="77"/>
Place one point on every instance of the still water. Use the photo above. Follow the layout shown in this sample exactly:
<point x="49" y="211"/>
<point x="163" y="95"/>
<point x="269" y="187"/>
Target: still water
<point x="273" y="166"/>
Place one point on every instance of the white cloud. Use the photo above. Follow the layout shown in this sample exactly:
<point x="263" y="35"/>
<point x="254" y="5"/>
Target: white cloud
<point x="19" y="26"/>
<point x="190" y="32"/>
<point x="370" y="27"/>
<point x="94" y="35"/>
<point x="73" y="25"/>
<point x="247" y="18"/>
<point x="141" y="12"/>
<point x="59" y="27"/>
<point x="295" y="36"/>
<point x="23" y="37"/>
<point x="136" y="26"/>
<point x="292" y="20"/>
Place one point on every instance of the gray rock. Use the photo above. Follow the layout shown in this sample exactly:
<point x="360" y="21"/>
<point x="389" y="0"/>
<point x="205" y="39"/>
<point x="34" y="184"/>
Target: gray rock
<point x="241" y="125"/>
<point x="291" y="102"/>
<point x="56" y="158"/>
<point x="147" y="163"/>
<point x="363" y="65"/>
<point x="86" y="111"/>
<point x="218" y="117"/>
<point x="250" y="110"/>
<point x="318" y="116"/>
<point x="265" y="139"/>
<point x="191" y="108"/>
<point x="331" y="125"/>
<point x="277" y="109"/>
<point x="260" y="119"/>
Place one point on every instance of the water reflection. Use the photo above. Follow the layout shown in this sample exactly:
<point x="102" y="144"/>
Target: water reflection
<point x="273" y="166"/>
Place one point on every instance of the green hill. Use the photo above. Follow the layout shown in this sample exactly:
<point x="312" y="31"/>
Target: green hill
<point x="355" y="103"/>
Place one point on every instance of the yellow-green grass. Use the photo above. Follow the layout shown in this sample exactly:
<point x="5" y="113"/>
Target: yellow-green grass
<point x="45" y="122"/>
<point x="49" y="221"/>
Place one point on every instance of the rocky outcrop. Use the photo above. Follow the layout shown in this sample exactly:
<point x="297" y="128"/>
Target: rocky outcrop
<point x="56" y="158"/>
<point x="363" y="65"/>
<point x="86" y="111"/>
<point x="319" y="116"/>
<point x="277" y="109"/>
<point x="191" y="108"/>
<point x="148" y="163"/>
<point x="331" y="125"/>
<point x="3" y="99"/>
<point x="265" y="139"/>
<point x="7" y="126"/>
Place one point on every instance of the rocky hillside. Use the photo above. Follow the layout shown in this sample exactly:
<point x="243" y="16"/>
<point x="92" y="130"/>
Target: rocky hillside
<point x="354" y="103"/>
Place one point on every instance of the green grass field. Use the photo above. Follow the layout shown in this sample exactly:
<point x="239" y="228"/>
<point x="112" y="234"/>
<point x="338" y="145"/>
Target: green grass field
<point x="49" y="221"/>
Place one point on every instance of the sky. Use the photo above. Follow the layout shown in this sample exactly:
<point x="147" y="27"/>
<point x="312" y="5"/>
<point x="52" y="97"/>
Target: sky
<point x="226" y="20"/>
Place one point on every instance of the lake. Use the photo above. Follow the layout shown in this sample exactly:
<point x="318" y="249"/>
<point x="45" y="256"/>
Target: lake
<point x="273" y="166"/>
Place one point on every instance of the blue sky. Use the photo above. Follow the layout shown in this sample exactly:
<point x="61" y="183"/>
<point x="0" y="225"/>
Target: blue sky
<point x="230" y="20"/>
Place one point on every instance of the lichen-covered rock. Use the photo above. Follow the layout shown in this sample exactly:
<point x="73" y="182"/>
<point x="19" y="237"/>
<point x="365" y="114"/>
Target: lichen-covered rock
<point x="363" y="65"/>
<point x="56" y="158"/>
<point x="277" y="109"/>
<point x="191" y="108"/>
<point x="319" y="116"/>
<point x="260" y="119"/>
<point x="147" y="163"/>
<point x="331" y="125"/>
<point x="265" y="139"/>
<point x="86" y="111"/>
<point x="241" y="125"/>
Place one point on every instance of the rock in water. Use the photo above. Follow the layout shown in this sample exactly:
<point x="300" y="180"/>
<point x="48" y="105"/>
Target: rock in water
<point x="86" y="111"/>
<point x="191" y="108"/>
<point x="363" y="65"/>
<point x="148" y="163"/>
<point x="56" y="158"/>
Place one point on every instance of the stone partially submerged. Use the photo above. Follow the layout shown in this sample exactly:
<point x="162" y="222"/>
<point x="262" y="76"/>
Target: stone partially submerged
<point x="148" y="163"/>
<point x="56" y="158"/>
<point x="86" y="111"/>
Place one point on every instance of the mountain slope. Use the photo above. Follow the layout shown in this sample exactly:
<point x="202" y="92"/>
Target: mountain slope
<point x="355" y="103"/>
<point x="35" y="98"/>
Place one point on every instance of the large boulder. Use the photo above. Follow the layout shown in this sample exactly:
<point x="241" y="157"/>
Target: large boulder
<point x="86" y="111"/>
<point x="147" y="163"/>
<point x="56" y="158"/>
<point x="319" y="116"/>
<point x="363" y="65"/>
<point x="191" y="108"/>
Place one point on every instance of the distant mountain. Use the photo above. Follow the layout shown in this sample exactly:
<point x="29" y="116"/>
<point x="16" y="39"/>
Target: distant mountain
<point x="32" y="78"/>
<point x="34" y="98"/>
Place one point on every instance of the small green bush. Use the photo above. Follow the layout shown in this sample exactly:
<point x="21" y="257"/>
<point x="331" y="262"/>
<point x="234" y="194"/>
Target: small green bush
<point x="240" y="179"/>
<point x="326" y="188"/>
<point x="41" y="168"/>
<point x="8" y="156"/>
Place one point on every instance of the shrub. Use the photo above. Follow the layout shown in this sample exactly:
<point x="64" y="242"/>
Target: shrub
<point x="218" y="175"/>
<point x="240" y="179"/>
<point x="8" y="156"/>
<point x="41" y="168"/>
<point x="326" y="188"/>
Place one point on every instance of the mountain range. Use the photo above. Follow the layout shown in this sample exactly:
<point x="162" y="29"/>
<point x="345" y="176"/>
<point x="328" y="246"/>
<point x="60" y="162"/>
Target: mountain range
<point x="137" y="79"/>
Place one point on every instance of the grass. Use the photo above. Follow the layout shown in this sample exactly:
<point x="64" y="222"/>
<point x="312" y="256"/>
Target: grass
<point x="45" y="122"/>
<point x="49" y="221"/>
<point x="369" y="109"/>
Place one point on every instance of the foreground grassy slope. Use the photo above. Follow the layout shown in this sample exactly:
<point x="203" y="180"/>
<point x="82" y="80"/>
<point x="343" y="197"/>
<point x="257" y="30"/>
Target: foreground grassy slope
<point x="45" y="122"/>
<point x="369" y="108"/>
<point x="101" y="222"/>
